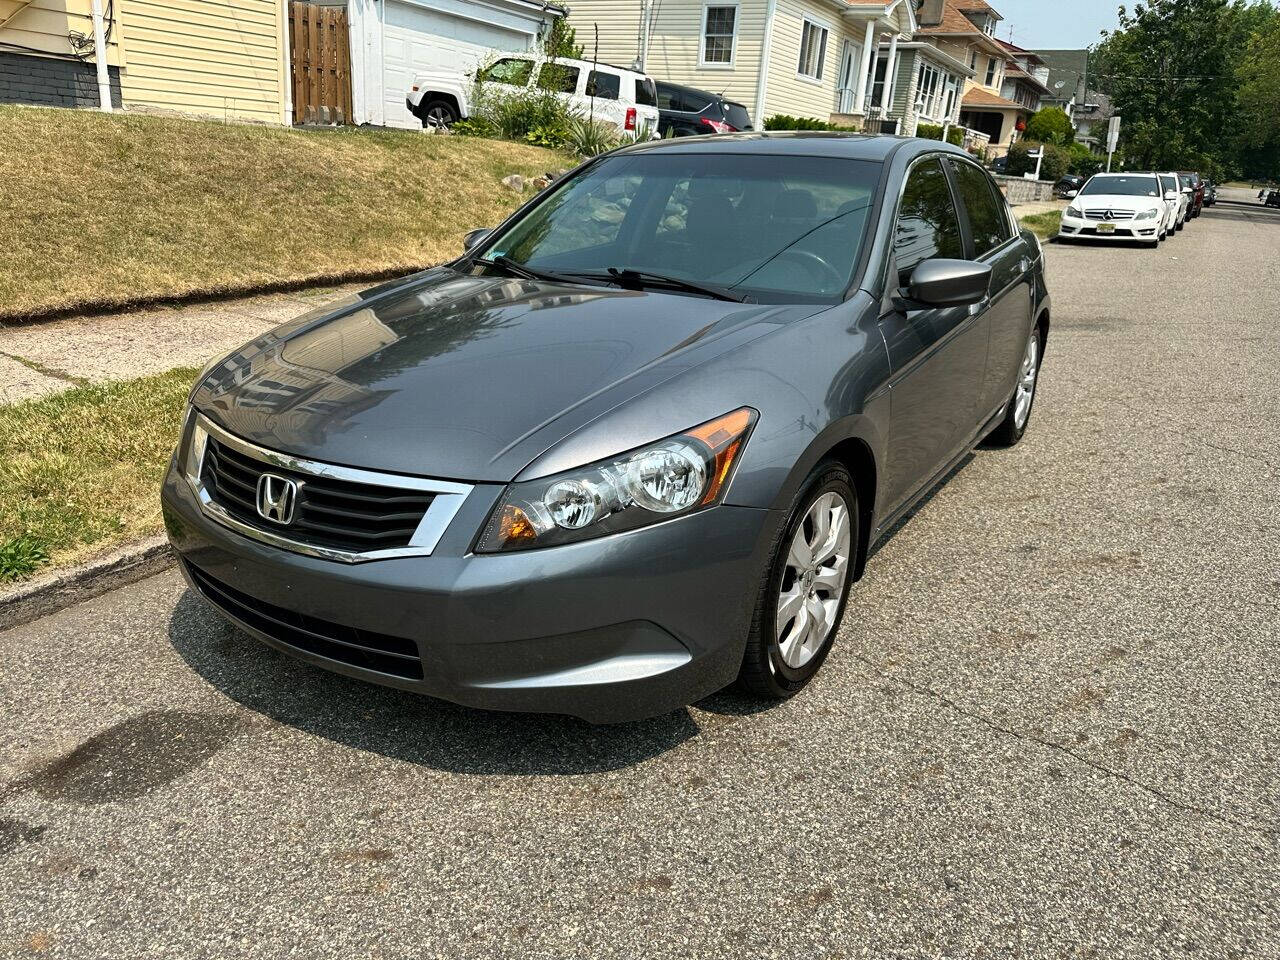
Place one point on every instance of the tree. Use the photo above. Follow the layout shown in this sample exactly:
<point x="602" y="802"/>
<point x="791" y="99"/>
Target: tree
<point x="1050" y="125"/>
<point x="561" y="42"/>
<point x="1172" y="73"/>
<point x="1258" y="102"/>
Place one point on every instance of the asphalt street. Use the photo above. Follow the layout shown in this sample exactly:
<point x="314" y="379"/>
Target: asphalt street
<point x="1048" y="727"/>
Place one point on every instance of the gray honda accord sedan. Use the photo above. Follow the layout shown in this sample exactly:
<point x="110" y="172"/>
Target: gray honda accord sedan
<point x="635" y="443"/>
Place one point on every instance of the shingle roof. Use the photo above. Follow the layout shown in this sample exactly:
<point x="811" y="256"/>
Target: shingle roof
<point x="977" y="97"/>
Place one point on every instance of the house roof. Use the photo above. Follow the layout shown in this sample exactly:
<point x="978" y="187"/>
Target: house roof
<point x="955" y="24"/>
<point x="977" y="97"/>
<point x="1017" y="73"/>
<point x="1021" y="53"/>
<point x="940" y="57"/>
<point x="904" y="9"/>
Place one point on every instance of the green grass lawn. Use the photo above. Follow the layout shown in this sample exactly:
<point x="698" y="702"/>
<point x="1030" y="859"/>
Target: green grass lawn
<point x="100" y="210"/>
<point x="1043" y="225"/>
<point x="80" y="470"/>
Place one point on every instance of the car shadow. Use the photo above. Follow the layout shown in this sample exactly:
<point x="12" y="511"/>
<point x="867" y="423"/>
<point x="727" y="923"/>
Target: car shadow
<point x="923" y="502"/>
<point x="402" y="725"/>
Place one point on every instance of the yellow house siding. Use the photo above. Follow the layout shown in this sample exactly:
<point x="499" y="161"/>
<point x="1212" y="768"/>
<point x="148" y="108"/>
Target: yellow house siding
<point x="787" y="91"/>
<point x="221" y="58"/>
<point x="43" y="25"/>
<point x="675" y="43"/>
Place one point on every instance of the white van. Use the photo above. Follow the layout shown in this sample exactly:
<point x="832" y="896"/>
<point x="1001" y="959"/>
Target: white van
<point x="622" y="98"/>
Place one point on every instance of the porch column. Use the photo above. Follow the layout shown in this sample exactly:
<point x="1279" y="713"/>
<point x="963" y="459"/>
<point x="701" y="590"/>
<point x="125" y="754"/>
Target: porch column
<point x="890" y="72"/>
<point x="860" y="98"/>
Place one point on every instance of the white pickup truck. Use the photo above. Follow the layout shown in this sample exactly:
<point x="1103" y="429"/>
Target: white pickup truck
<point x="613" y="95"/>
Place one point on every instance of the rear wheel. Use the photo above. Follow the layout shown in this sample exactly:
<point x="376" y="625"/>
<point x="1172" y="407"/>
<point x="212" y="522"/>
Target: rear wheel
<point x="1018" y="411"/>
<point x="804" y="592"/>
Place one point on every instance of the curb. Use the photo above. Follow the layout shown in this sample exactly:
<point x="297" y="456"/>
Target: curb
<point x="48" y="594"/>
<point x="204" y="295"/>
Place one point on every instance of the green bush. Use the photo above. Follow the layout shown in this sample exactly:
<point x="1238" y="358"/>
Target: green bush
<point x="1057" y="161"/>
<point x="1055" y="165"/>
<point x="1083" y="160"/>
<point x="933" y="131"/>
<point x="1050" y="125"/>
<point x="1020" y="160"/>
<point x="780" y="121"/>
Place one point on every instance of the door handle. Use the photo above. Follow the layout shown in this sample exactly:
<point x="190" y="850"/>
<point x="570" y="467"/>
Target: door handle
<point x="1024" y="265"/>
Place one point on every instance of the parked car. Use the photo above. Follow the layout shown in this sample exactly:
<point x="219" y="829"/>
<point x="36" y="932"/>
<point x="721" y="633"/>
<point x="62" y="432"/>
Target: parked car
<point x="1195" y="201"/>
<point x="1000" y="165"/>
<point x="551" y="475"/>
<point x="1117" y="206"/>
<point x="1273" y="198"/>
<point x="1068" y="186"/>
<point x="1210" y="193"/>
<point x="688" y="111"/>
<point x="614" y="95"/>
<point x="1175" y="203"/>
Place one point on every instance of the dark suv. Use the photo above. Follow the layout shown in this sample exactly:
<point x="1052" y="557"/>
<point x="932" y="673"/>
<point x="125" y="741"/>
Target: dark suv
<point x="689" y="112"/>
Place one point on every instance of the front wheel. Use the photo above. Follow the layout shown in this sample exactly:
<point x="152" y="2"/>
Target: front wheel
<point x="438" y="113"/>
<point x="804" y="592"/>
<point x="1018" y="410"/>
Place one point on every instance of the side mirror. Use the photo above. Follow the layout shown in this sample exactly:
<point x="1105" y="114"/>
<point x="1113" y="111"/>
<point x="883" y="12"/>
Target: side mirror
<point x="1072" y="194"/>
<point x="950" y="283"/>
<point x="1171" y="194"/>
<point x="473" y="237"/>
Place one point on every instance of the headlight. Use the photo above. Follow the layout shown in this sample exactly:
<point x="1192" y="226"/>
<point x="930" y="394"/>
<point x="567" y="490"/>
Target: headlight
<point x="1147" y="215"/>
<point x="684" y="473"/>
<point x="1074" y="211"/>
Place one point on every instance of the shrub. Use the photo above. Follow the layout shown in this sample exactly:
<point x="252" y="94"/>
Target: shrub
<point x="1055" y="164"/>
<point x="780" y="121"/>
<point x="933" y="131"/>
<point x="1050" y="125"/>
<point x="588" y="138"/>
<point x="1053" y="167"/>
<point x="1020" y="160"/>
<point x="1083" y="160"/>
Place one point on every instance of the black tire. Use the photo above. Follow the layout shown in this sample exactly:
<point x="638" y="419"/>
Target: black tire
<point x="438" y="112"/>
<point x="1009" y="432"/>
<point x="764" y="673"/>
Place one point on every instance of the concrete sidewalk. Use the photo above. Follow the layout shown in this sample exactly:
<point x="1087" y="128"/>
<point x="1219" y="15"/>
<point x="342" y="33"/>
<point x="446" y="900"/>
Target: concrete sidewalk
<point x="41" y="358"/>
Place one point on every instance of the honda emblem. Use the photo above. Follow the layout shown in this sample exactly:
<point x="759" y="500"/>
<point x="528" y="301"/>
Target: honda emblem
<point x="277" y="498"/>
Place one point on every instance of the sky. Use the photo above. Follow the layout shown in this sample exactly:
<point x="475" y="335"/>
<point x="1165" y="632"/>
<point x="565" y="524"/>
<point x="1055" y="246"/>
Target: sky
<point x="1056" y="24"/>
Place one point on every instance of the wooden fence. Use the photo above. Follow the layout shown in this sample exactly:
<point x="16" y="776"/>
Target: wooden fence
<point x="321" y="63"/>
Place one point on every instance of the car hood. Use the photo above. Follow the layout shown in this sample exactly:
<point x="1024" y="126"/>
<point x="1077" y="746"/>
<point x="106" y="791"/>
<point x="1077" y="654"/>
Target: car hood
<point x="465" y="377"/>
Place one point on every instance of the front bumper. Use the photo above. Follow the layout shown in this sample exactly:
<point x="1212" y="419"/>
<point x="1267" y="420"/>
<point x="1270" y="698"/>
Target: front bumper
<point x="1140" y="231"/>
<point x="620" y="628"/>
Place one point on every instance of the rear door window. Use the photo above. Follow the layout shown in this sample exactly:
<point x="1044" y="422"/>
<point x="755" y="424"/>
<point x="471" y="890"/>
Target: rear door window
<point x="735" y="114"/>
<point x="603" y="86"/>
<point x="558" y="78"/>
<point x="646" y="92"/>
<point x="927" y="225"/>
<point x="987" y="222"/>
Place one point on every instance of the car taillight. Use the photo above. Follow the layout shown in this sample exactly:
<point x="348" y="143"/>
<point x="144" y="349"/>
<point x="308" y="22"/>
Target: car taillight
<point x="717" y="126"/>
<point x="630" y="122"/>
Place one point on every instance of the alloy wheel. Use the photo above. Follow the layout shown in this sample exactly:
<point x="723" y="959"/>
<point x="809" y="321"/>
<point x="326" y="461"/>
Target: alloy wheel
<point x="438" y="117"/>
<point x="1026" y="389"/>
<point x="814" y="580"/>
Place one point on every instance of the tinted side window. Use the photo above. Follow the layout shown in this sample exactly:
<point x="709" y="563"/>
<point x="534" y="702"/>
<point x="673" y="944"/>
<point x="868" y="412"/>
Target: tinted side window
<point x="558" y="78"/>
<point x="927" y="226"/>
<point x="509" y="70"/>
<point x="987" y="221"/>
<point x="736" y="115"/>
<point x="646" y="92"/>
<point x="603" y="85"/>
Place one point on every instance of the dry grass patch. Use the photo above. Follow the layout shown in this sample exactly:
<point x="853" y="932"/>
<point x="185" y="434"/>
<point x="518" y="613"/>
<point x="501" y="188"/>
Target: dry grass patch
<point x="102" y="210"/>
<point x="80" y="471"/>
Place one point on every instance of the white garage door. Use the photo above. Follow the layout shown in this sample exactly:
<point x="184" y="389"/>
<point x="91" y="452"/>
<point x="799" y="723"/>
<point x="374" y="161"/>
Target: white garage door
<point x="417" y="39"/>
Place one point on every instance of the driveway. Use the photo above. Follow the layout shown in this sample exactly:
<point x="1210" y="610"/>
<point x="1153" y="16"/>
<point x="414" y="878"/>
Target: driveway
<point x="1048" y="728"/>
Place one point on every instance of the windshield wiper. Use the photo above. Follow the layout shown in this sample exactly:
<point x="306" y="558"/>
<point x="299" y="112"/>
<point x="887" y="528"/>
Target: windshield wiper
<point x="520" y="270"/>
<point x="639" y="279"/>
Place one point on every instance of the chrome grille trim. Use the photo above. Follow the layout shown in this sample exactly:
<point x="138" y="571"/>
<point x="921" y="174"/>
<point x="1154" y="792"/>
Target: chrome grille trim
<point x="447" y="499"/>
<point x="1100" y="213"/>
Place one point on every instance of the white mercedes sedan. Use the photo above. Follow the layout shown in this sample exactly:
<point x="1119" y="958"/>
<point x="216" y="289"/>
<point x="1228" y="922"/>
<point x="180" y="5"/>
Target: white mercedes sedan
<point x="1117" y="206"/>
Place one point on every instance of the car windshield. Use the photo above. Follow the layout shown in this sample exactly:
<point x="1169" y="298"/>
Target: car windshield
<point x="770" y="228"/>
<point x="1123" y="186"/>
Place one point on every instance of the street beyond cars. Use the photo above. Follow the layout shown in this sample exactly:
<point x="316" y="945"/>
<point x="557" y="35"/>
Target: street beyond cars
<point x="635" y="443"/>
<point x="1117" y="206"/>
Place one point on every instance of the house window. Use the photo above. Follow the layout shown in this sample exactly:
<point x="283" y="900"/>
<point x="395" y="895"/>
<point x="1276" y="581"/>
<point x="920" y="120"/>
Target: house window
<point x="992" y="66"/>
<point x="813" y="50"/>
<point x="973" y="60"/>
<point x="879" y="78"/>
<point x="953" y="91"/>
<point x="929" y="90"/>
<point x="719" y="28"/>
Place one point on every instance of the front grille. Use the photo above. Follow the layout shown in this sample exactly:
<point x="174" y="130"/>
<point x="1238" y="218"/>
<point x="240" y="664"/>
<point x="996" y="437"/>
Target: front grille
<point x="397" y="656"/>
<point x="339" y="514"/>
<point x="1101" y="214"/>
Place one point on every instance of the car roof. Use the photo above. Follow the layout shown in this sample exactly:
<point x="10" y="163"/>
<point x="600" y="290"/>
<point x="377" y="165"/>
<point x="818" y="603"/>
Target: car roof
<point x="850" y="146"/>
